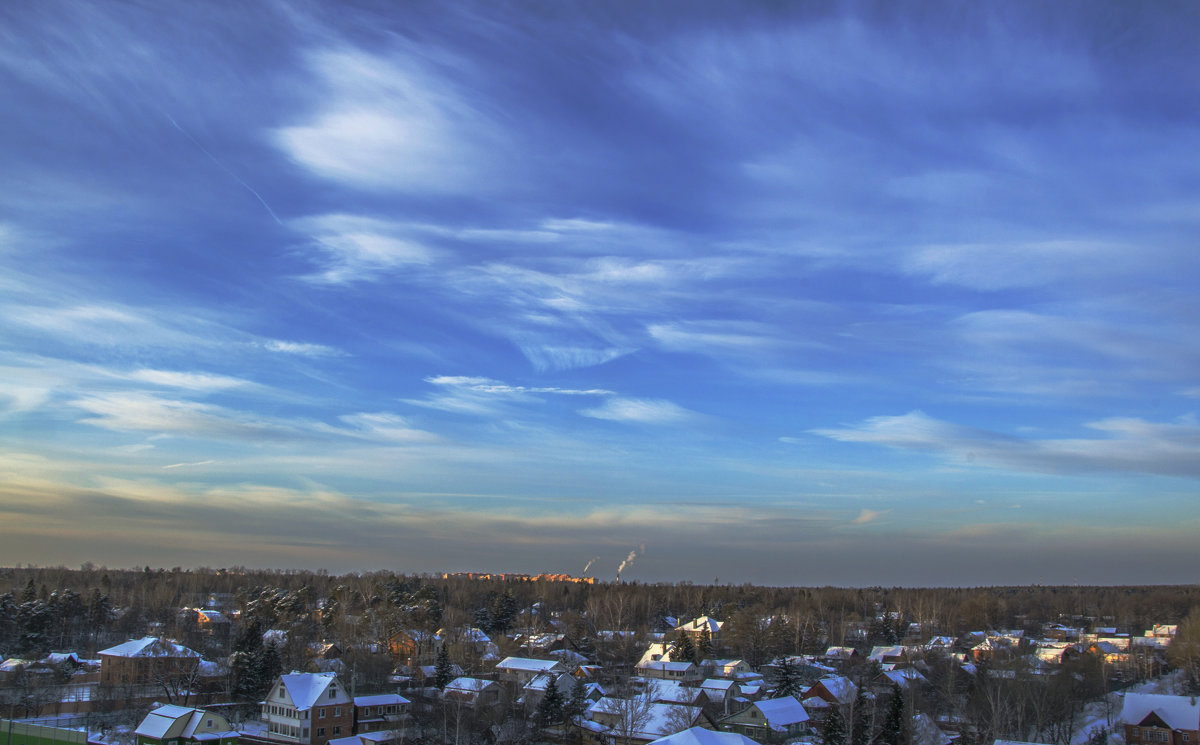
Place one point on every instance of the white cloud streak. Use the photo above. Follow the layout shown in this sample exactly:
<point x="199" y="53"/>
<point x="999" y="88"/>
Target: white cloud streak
<point x="643" y="411"/>
<point x="1129" y="444"/>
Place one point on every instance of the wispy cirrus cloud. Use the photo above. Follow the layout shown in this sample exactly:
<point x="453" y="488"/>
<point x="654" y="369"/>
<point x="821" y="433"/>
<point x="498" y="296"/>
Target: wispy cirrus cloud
<point x="302" y="349"/>
<point x="480" y="396"/>
<point x="351" y="248"/>
<point x="1129" y="444"/>
<point x="194" y="381"/>
<point x="643" y="411"/>
<point x="487" y="385"/>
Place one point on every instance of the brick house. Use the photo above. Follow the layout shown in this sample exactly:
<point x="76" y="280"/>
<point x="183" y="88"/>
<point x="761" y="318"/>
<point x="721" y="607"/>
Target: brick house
<point x="307" y="709"/>
<point x="146" y="661"/>
<point x="1156" y="719"/>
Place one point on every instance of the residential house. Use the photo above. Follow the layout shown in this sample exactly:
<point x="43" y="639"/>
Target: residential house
<point x="385" y="711"/>
<point x="829" y="692"/>
<point x="473" y="692"/>
<point x="702" y="736"/>
<point x="609" y="719"/>
<point x="671" y="692"/>
<point x="413" y="646"/>
<point x="380" y="737"/>
<point x="518" y="671"/>
<point x="307" y="709"/>
<point x="727" y="668"/>
<point x="683" y="672"/>
<point x="179" y="725"/>
<point x="533" y="691"/>
<point x="698" y="626"/>
<point x="147" y="661"/>
<point x="894" y="654"/>
<point x="769" y="719"/>
<point x="841" y="654"/>
<point x="1157" y="719"/>
<point x="905" y="678"/>
<point x="721" y="694"/>
<point x="657" y="651"/>
<point x="925" y="731"/>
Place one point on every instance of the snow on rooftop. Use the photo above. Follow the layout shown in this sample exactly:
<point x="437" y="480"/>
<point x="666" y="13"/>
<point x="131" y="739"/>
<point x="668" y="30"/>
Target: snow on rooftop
<point x="149" y="646"/>
<point x="382" y="699"/>
<point x="841" y="687"/>
<point x="702" y="736"/>
<point x="305" y="688"/>
<point x="527" y="664"/>
<point x="780" y="712"/>
<point x="468" y="685"/>
<point x="1179" y="712"/>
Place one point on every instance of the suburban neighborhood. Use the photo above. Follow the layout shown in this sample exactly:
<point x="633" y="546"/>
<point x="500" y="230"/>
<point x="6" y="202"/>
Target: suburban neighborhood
<point x="397" y="660"/>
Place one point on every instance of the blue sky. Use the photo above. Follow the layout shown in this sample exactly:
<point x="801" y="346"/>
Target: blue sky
<point x="808" y="293"/>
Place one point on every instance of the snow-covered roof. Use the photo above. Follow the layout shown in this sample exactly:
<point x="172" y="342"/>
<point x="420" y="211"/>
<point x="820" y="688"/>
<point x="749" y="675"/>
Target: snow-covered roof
<point x="661" y="717"/>
<point x="702" y="736"/>
<point x="365" y="738"/>
<point x="149" y="646"/>
<point x="719" y="684"/>
<point x="527" y="664"/>
<point x="669" y="691"/>
<point x="677" y="667"/>
<point x="468" y="685"/>
<point x="840" y="653"/>
<point x="701" y="623"/>
<point x="780" y="712"/>
<point x="58" y="658"/>
<point x="905" y="677"/>
<point x="1178" y="712"/>
<point x="13" y="664"/>
<point x="926" y="732"/>
<point x="562" y="681"/>
<point x="382" y="699"/>
<point x="305" y="688"/>
<point x="840" y="687"/>
<point x="878" y="654"/>
<point x="172" y="721"/>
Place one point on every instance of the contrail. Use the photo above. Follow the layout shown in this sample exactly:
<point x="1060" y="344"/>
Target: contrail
<point x="226" y="169"/>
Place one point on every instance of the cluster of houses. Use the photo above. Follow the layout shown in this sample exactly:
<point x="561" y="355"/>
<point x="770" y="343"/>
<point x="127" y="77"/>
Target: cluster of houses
<point x="717" y="701"/>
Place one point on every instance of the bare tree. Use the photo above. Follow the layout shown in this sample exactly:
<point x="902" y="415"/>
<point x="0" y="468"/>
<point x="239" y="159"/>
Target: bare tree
<point x="631" y="713"/>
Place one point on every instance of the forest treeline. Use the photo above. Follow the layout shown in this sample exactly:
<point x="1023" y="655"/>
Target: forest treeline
<point x="59" y="609"/>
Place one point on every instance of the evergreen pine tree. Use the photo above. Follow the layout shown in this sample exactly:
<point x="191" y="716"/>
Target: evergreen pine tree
<point x="833" y="732"/>
<point x="442" y="674"/>
<point x="684" y="649"/>
<point x="860" y="726"/>
<point x="550" y="708"/>
<point x="577" y="703"/>
<point x="787" y="679"/>
<point x="704" y="646"/>
<point x="894" y="727"/>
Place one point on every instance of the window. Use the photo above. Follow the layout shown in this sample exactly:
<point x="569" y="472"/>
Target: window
<point x="337" y="711"/>
<point x="320" y="731"/>
<point x="337" y="730"/>
<point x="332" y="693"/>
<point x="320" y="713"/>
<point x="209" y="725"/>
<point x="304" y="732"/>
